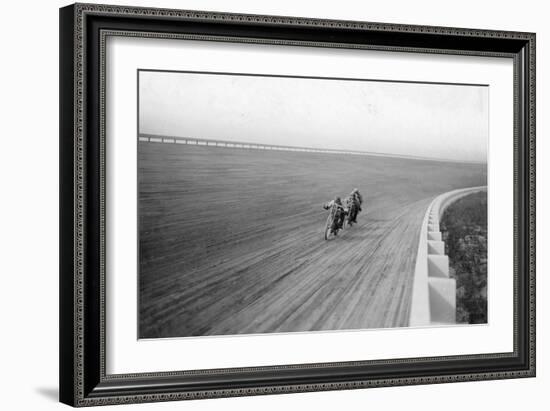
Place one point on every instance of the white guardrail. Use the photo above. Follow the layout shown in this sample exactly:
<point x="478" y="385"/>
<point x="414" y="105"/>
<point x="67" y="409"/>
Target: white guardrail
<point x="192" y="141"/>
<point x="434" y="292"/>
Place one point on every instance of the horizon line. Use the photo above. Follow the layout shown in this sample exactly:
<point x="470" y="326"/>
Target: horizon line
<point x="161" y="138"/>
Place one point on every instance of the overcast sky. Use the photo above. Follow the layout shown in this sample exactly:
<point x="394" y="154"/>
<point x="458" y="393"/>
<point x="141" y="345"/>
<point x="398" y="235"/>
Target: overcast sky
<point x="426" y="120"/>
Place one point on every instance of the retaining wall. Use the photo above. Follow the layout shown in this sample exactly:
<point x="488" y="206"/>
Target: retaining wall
<point x="155" y="138"/>
<point x="434" y="292"/>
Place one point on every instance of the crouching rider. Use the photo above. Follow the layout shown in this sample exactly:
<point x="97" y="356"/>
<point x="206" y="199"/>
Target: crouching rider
<point x="340" y="211"/>
<point x="356" y="200"/>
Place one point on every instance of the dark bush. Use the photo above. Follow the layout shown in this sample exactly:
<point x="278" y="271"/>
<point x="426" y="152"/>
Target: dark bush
<point x="464" y="228"/>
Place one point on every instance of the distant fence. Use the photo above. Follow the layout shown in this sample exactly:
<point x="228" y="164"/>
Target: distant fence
<point x="434" y="292"/>
<point x="154" y="138"/>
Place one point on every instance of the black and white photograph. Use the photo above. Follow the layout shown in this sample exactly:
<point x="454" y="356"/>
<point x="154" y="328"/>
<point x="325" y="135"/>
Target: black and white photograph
<point x="284" y="198"/>
<point x="283" y="204"/>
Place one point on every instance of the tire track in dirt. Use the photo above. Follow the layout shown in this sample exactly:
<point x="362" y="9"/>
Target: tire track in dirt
<point x="231" y="241"/>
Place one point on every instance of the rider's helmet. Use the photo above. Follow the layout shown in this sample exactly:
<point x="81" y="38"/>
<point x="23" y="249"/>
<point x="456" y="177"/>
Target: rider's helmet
<point x="338" y="200"/>
<point x="355" y="190"/>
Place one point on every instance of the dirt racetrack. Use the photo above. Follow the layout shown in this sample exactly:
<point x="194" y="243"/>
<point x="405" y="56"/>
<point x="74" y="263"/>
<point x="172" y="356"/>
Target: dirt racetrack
<point x="231" y="240"/>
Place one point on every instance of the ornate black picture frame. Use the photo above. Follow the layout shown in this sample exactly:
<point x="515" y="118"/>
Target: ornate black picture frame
<point x="83" y="379"/>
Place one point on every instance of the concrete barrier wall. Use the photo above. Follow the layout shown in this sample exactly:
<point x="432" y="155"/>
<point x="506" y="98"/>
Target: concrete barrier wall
<point x="434" y="292"/>
<point x="193" y="141"/>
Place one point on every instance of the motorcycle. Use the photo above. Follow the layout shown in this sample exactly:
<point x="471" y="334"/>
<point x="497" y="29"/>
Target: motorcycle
<point x="352" y="213"/>
<point x="331" y="225"/>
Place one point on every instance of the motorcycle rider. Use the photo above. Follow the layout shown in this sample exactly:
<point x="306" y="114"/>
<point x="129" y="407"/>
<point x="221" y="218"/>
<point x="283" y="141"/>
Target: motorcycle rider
<point x="340" y="211"/>
<point x="357" y="200"/>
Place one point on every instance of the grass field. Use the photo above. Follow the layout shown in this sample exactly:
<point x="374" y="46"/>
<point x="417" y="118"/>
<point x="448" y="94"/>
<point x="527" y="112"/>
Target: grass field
<point x="231" y="240"/>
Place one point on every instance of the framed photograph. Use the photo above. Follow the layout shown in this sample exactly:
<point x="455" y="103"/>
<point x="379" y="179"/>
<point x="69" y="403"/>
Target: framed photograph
<point x="262" y="204"/>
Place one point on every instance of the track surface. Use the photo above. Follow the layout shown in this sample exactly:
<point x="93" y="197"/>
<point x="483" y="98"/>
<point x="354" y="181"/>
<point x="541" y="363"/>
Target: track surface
<point x="231" y="240"/>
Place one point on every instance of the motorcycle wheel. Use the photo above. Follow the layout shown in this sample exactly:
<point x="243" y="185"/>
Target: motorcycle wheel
<point x="328" y="228"/>
<point x="348" y="219"/>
